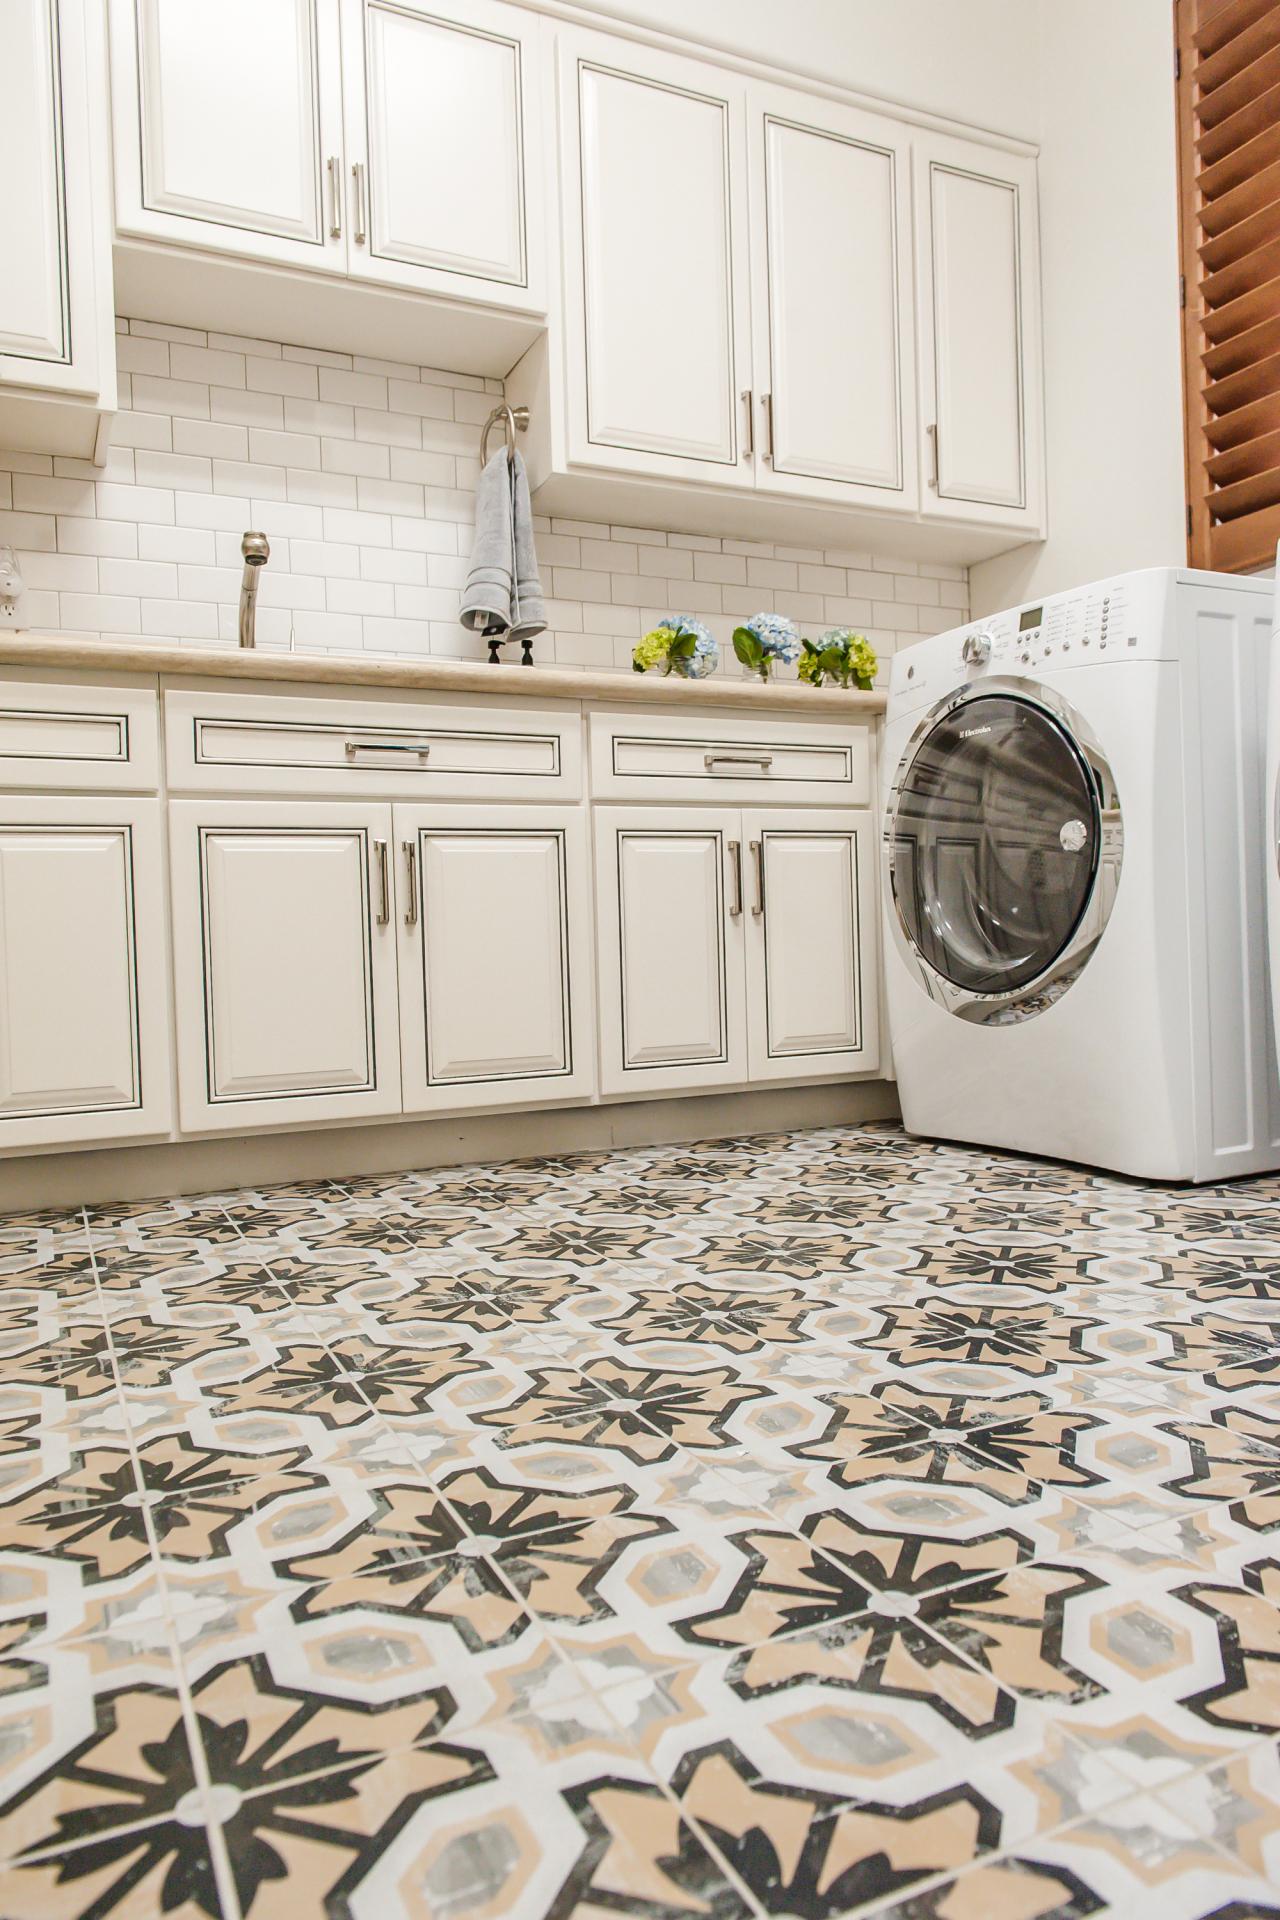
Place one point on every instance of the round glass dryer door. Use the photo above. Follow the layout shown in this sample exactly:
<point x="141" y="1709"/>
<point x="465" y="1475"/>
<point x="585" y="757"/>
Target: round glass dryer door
<point x="1003" y="824"/>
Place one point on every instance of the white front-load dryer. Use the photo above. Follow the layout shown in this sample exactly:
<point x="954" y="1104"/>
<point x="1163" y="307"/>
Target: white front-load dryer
<point x="1073" y="879"/>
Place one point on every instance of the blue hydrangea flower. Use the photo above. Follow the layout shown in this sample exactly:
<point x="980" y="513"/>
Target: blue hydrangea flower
<point x="777" y="635"/>
<point x="706" y="654"/>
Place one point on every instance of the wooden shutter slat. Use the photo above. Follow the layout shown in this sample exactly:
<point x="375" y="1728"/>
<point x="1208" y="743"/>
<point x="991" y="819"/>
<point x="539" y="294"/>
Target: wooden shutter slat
<point x="1222" y="23"/>
<point x="1221" y="64"/>
<point x="1241" y="90"/>
<point x="1261" y="303"/>
<point x="1243" y="349"/>
<point x="1242" y="463"/>
<point x="1244" y="423"/>
<point x="1239" y="389"/>
<point x="1237" y="546"/>
<point x="1244" y="202"/>
<point x="1238" y="168"/>
<point x="1253" y="118"/>
<point x="1256" y="269"/>
<point x="1246" y="496"/>
<point x="1228" y="119"/>
<point x="1245" y="237"/>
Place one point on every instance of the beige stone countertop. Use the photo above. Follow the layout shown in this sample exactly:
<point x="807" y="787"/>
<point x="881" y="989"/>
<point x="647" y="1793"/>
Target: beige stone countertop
<point x="57" y="651"/>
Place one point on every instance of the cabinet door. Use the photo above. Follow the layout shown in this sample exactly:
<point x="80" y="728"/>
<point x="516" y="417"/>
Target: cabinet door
<point x="443" y="147"/>
<point x="84" y="1015"/>
<point x="495" y="969"/>
<point x="979" y="332"/>
<point x="831" y="267"/>
<point x="657" y="288"/>
<point x="669" y="926"/>
<point x="284" y="960"/>
<point x="228" y="126"/>
<point x="812" y="971"/>
<point x="55" y="288"/>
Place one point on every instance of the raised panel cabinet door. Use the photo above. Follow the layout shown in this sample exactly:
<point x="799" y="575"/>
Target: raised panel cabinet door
<point x="442" y="116"/>
<point x="657" y="288"/>
<point x="284" y="955"/>
<point x="980" y="332"/>
<point x="83" y="1007"/>
<point x="495" y="971"/>
<point x="812" y="972"/>
<point x="831" y="260"/>
<point x="35" y="317"/>
<point x="669" y="930"/>
<point x="57" y="334"/>
<point x="228" y="126"/>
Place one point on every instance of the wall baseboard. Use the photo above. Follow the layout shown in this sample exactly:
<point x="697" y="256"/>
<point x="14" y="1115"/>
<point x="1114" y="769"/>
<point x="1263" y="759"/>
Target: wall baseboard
<point x="106" y="1174"/>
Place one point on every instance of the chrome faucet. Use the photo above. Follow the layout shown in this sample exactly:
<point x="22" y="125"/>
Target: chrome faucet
<point x="256" y="554"/>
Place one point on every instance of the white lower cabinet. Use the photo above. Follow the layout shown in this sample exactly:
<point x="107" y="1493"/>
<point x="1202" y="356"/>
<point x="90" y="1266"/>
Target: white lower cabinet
<point x="495" y="962"/>
<point x="284" y="952"/>
<point x="733" y="947"/>
<point x="812" y="973"/>
<point x="84" y="1028"/>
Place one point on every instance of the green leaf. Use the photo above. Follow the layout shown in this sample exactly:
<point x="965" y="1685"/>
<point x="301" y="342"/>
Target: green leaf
<point x="748" y="648"/>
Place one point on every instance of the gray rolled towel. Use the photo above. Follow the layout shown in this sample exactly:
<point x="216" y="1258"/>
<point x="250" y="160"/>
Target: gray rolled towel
<point x="503" y="594"/>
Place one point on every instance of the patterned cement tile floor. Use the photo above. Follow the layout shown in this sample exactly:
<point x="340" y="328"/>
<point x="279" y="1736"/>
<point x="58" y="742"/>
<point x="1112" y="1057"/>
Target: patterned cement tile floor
<point x="809" y="1525"/>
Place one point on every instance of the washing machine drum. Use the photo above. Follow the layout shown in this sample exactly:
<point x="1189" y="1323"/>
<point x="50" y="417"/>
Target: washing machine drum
<point x="1004" y="848"/>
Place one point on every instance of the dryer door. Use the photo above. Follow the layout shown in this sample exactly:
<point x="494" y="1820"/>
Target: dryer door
<point x="1004" y="844"/>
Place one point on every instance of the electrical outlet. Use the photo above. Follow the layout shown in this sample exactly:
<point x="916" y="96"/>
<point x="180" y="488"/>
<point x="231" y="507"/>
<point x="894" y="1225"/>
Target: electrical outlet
<point x="11" y="592"/>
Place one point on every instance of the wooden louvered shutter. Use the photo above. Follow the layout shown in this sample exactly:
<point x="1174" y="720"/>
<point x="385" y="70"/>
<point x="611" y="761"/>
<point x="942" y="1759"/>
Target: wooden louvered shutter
<point x="1229" y="149"/>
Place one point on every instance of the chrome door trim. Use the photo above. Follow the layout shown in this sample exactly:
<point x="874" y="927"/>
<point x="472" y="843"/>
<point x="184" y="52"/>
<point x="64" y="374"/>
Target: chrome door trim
<point x="1025" y="1002"/>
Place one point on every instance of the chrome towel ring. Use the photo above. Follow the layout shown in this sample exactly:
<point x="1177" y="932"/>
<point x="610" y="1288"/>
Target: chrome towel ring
<point x="515" y="420"/>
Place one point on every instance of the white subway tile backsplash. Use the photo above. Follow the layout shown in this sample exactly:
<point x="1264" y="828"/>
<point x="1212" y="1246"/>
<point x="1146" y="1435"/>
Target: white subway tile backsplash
<point x="361" y="473"/>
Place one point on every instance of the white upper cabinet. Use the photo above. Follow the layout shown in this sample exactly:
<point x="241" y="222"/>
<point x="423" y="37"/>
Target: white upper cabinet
<point x="979" y="332"/>
<point x="831" y="265"/>
<point x="56" y="332"/>
<point x="228" y="125"/>
<point x="657" y="289"/>
<point x="443" y="139"/>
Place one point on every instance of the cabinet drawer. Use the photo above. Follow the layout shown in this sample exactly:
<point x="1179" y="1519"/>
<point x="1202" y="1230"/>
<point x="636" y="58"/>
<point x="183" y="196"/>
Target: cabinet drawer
<point x="68" y="736"/>
<point x="648" y="758"/>
<point x="268" y="744"/>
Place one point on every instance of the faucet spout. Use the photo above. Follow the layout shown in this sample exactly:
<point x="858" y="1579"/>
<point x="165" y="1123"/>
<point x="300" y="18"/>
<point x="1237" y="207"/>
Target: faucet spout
<point x="256" y="553"/>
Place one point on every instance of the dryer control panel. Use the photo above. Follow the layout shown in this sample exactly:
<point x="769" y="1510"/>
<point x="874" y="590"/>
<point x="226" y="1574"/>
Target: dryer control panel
<point x="1128" y="617"/>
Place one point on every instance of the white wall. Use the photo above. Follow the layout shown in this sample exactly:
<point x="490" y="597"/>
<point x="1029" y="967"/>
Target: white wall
<point x="1112" y="333"/>
<point x="973" y="60"/>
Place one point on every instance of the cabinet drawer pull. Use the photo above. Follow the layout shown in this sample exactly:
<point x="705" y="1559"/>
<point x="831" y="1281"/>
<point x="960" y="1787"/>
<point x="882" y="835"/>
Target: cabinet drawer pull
<point x="768" y="426"/>
<point x="757" y="854"/>
<point x="418" y="747"/>
<point x="335" y="197"/>
<point x="384" y="883"/>
<point x="749" y="444"/>
<point x="761" y="760"/>
<point x="735" y="856"/>
<point x="411" y="859"/>
<point x="935" y="477"/>
<point x="357" y="174"/>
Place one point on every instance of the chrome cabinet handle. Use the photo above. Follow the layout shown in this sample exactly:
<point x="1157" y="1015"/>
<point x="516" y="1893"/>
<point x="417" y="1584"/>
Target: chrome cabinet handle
<point x="357" y="174"/>
<point x="419" y="747"/>
<point x="735" y="856"/>
<point x="748" y="400"/>
<point x="761" y="760"/>
<point x="335" y="197"/>
<point x="384" y="883"/>
<point x="936" y="475"/>
<point x="410" y="848"/>
<point x="768" y="426"/>
<point x="757" y="854"/>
